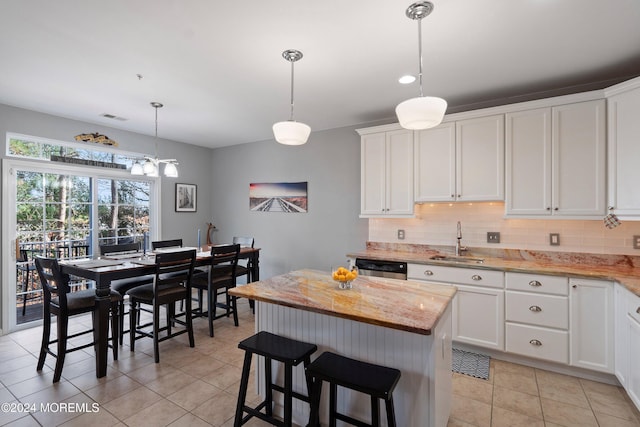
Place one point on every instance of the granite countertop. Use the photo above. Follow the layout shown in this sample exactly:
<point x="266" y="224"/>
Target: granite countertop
<point x="398" y="304"/>
<point x="621" y="268"/>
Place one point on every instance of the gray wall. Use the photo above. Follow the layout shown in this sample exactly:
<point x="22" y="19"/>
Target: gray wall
<point x="330" y="163"/>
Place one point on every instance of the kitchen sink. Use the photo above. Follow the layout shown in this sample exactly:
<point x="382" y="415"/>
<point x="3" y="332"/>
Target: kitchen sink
<point x="458" y="259"/>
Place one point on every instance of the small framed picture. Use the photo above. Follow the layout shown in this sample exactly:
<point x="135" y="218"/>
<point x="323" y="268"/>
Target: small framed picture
<point x="186" y="197"/>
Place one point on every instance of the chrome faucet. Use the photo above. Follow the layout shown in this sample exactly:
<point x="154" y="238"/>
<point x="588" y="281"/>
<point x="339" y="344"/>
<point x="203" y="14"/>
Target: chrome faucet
<point x="459" y="248"/>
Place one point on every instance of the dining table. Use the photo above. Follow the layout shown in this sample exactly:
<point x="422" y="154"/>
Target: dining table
<point x="105" y="269"/>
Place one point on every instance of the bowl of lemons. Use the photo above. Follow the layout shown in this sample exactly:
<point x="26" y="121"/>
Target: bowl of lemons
<point x="344" y="276"/>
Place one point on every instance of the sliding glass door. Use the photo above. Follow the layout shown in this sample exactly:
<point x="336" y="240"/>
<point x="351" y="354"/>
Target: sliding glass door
<point x="65" y="212"/>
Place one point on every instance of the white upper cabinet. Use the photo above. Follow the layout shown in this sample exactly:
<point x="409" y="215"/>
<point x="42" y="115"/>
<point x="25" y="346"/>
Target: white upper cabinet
<point x="435" y="164"/>
<point x="461" y="161"/>
<point x="387" y="174"/>
<point x="556" y="161"/>
<point x="624" y="152"/>
<point x="480" y="159"/>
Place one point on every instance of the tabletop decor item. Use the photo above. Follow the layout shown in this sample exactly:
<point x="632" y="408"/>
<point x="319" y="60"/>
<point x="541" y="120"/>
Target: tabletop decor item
<point x="186" y="197"/>
<point x="344" y="276"/>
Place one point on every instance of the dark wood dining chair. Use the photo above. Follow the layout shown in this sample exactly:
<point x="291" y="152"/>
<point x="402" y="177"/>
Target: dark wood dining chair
<point x="59" y="301"/>
<point x="121" y="286"/>
<point x="173" y="243"/>
<point x="244" y="268"/>
<point x="221" y="277"/>
<point x="26" y="266"/>
<point x="171" y="283"/>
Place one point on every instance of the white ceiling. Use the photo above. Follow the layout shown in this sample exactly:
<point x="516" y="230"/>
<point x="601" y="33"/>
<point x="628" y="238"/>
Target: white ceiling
<point x="217" y="65"/>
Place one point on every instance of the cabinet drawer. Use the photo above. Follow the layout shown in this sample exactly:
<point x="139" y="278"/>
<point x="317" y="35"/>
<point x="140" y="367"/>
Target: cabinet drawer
<point x="539" y="310"/>
<point x="456" y="275"/>
<point x="633" y="306"/>
<point x="541" y="343"/>
<point x="555" y="285"/>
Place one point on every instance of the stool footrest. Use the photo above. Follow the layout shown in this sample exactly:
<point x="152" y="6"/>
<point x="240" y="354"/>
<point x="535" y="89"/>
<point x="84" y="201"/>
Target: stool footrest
<point x="295" y="394"/>
<point x="255" y="412"/>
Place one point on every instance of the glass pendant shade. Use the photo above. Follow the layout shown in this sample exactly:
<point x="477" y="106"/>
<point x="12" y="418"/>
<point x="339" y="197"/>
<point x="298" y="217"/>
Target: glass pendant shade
<point x="136" y="169"/>
<point x="423" y="112"/>
<point x="149" y="168"/>
<point x="291" y="133"/>
<point x="170" y="170"/>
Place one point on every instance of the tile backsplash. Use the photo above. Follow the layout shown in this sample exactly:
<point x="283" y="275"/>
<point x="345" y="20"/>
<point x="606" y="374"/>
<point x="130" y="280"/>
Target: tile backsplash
<point x="435" y="224"/>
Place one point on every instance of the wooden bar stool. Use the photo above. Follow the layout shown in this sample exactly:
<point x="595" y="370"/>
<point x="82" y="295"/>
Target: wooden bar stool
<point x="374" y="380"/>
<point x="272" y="347"/>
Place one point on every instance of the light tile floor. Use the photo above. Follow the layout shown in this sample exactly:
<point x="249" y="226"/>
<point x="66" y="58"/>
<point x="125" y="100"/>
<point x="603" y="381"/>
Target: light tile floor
<point x="198" y="387"/>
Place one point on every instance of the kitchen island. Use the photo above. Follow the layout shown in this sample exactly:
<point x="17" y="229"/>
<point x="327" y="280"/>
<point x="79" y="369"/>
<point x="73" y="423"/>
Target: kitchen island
<point x="397" y="323"/>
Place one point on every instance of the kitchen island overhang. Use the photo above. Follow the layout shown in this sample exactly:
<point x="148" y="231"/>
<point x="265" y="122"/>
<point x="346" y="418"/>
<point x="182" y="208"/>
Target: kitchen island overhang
<point x="390" y="322"/>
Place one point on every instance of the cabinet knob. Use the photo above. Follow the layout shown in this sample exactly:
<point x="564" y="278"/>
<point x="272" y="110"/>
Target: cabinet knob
<point x="476" y="277"/>
<point x="638" y="310"/>
<point x="611" y="208"/>
<point x="535" y="283"/>
<point x="428" y="273"/>
<point x="555" y="209"/>
<point x="535" y="308"/>
<point x="574" y="286"/>
<point x="459" y="195"/>
<point x="535" y="342"/>
<point x="453" y="196"/>
<point x="548" y="208"/>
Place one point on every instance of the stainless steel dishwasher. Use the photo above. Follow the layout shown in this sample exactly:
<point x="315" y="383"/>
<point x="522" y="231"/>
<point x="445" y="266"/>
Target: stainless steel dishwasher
<point x="378" y="268"/>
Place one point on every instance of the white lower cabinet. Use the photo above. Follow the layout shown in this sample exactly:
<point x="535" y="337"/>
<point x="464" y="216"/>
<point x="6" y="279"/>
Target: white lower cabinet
<point x="478" y="316"/>
<point x="478" y="307"/>
<point x="537" y="316"/>
<point x="591" y="324"/>
<point x="632" y="327"/>
<point x="621" y="334"/>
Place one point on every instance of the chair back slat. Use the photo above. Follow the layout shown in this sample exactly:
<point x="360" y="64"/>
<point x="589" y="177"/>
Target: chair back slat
<point x="54" y="283"/>
<point x="174" y="268"/>
<point x="246" y="242"/>
<point x="119" y="248"/>
<point x="224" y="260"/>
<point x="175" y="243"/>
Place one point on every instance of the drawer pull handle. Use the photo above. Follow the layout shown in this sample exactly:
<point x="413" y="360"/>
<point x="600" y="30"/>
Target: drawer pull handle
<point x="535" y="308"/>
<point x="535" y="342"/>
<point x="428" y="273"/>
<point x="638" y="310"/>
<point x="535" y="283"/>
<point x="476" y="277"/>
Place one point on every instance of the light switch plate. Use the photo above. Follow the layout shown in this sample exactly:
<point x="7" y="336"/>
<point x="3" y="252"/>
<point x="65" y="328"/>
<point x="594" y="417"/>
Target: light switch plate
<point x="636" y="242"/>
<point x="400" y="234"/>
<point x="554" y="239"/>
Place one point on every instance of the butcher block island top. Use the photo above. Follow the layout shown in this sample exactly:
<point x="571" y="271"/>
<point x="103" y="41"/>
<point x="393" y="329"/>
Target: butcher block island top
<point x="398" y="304"/>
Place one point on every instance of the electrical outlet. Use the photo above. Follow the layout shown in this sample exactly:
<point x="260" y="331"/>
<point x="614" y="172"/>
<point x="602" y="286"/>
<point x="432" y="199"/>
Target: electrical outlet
<point x="554" y="239"/>
<point x="636" y="242"/>
<point x="400" y="234"/>
<point x="493" y="237"/>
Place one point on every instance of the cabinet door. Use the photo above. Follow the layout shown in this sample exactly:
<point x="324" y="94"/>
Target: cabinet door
<point x="579" y="149"/>
<point x="621" y="332"/>
<point x="633" y="380"/>
<point x="399" y="175"/>
<point x="591" y="327"/>
<point x="528" y="162"/>
<point x="478" y="316"/>
<point x="480" y="159"/>
<point x="373" y="172"/>
<point x="435" y="164"/>
<point x="624" y="153"/>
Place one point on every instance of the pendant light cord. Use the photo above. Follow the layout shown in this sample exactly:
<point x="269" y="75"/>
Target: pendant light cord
<point x="420" y="54"/>
<point x="291" y="119"/>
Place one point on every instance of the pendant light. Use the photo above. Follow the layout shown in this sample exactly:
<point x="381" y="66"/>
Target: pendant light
<point x="151" y="165"/>
<point x="423" y="112"/>
<point x="291" y="132"/>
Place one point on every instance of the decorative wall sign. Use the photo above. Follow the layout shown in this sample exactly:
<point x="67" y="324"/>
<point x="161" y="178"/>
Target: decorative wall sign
<point x="86" y="162"/>
<point x="97" y="138"/>
<point x="186" y="197"/>
<point x="278" y="197"/>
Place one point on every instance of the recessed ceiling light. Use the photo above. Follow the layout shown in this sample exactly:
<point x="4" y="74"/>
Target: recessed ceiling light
<point x="407" y="79"/>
